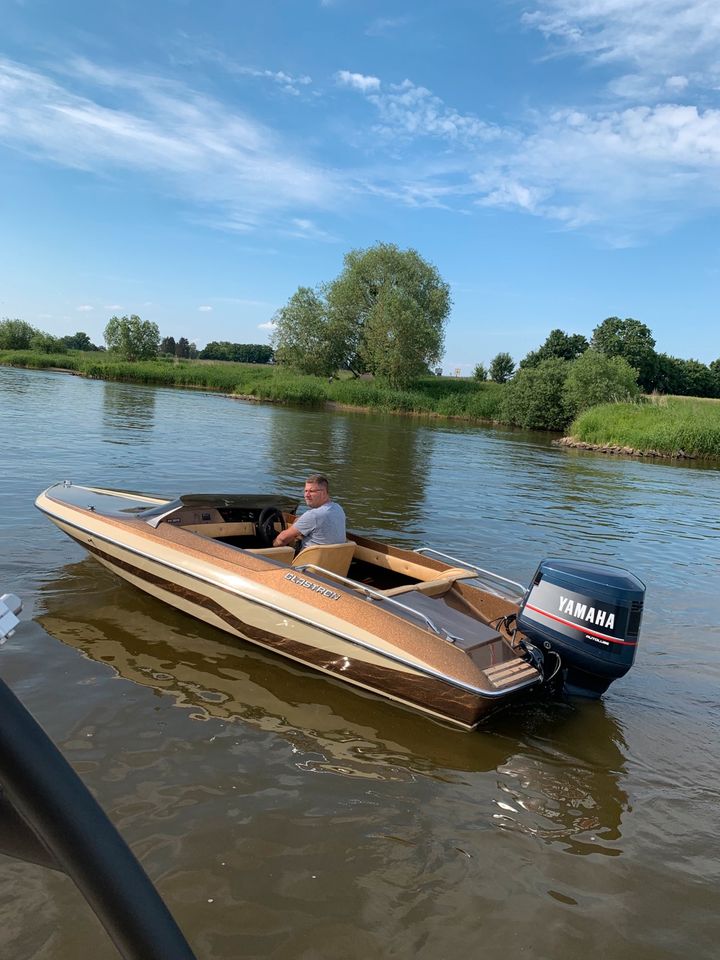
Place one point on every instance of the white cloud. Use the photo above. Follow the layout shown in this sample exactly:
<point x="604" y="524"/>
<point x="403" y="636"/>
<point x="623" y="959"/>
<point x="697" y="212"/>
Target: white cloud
<point x="635" y="168"/>
<point x="112" y="306"/>
<point x="407" y="110"/>
<point x="269" y="325"/>
<point x="205" y="309"/>
<point x="204" y="151"/>
<point x="357" y="81"/>
<point x="85" y="308"/>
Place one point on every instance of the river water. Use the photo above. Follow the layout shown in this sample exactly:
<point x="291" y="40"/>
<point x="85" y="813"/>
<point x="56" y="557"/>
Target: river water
<point x="283" y="815"/>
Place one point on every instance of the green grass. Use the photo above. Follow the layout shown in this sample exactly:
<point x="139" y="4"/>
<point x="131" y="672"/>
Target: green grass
<point x="667" y="425"/>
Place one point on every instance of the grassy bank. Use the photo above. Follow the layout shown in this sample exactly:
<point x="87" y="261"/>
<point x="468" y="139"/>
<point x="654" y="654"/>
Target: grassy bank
<point x="674" y="426"/>
<point x="666" y="426"/>
<point x="430" y="395"/>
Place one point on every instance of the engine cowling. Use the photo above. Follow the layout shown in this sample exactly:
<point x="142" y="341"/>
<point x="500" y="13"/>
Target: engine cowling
<point x="589" y="615"/>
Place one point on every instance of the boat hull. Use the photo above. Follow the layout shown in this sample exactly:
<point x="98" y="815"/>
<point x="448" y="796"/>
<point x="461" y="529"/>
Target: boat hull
<point x="334" y="634"/>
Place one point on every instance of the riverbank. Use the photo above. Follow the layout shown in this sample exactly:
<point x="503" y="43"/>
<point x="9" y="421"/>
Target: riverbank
<point x="442" y="396"/>
<point x="667" y="427"/>
<point x="680" y="428"/>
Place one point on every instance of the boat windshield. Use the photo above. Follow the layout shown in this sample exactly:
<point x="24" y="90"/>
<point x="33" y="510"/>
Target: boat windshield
<point x="216" y="501"/>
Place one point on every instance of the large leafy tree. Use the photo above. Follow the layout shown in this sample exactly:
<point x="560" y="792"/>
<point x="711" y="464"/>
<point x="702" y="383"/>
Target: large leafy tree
<point x="632" y="340"/>
<point x="558" y="344"/>
<point x="385" y="313"/>
<point x="389" y="308"/>
<point x="132" y="338"/>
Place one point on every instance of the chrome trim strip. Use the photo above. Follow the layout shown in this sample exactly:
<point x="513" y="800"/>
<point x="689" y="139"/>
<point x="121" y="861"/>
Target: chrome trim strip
<point x="483" y="694"/>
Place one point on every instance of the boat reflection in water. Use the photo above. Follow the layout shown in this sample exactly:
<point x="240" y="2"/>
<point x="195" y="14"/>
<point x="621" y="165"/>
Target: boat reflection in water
<point x="556" y="768"/>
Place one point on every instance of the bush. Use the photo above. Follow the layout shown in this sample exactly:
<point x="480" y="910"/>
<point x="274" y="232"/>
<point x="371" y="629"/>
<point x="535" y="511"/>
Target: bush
<point x="596" y="378"/>
<point x="534" y="397"/>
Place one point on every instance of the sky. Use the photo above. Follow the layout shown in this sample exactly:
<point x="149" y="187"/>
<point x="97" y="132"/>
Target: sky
<point x="194" y="163"/>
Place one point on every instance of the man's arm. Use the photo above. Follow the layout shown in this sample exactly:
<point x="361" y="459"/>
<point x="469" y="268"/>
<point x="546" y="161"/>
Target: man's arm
<point x="286" y="537"/>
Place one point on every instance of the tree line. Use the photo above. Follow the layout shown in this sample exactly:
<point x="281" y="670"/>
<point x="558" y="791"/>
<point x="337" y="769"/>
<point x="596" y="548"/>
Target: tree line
<point x="129" y="338"/>
<point x="629" y="340"/>
<point x="385" y="315"/>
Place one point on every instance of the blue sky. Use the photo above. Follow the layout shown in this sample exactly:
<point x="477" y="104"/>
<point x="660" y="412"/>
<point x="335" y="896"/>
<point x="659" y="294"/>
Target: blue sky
<point x="195" y="162"/>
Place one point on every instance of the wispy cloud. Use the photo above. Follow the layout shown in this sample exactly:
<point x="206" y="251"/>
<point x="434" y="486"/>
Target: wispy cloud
<point x="383" y="26"/>
<point x="201" y="149"/>
<point x="85" y="308"/>
<point x="307" y="229"/>
<point x="269" y="325"/>
<point x="205" y="308"/>
<point x="660" y="36"/>
<point x="285" y="81"/>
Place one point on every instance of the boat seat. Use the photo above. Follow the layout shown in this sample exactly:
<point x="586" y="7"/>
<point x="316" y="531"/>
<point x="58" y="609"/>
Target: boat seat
<point x="433" y="588"/>
<point x="335" y="557"/>
<point x="283" y="554"/>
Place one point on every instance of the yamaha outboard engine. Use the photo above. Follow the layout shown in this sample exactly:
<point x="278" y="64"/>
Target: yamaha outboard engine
<point x="589" y="615"/>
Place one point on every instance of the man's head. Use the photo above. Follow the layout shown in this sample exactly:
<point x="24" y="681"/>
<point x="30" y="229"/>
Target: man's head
<point x="316" y="490"/>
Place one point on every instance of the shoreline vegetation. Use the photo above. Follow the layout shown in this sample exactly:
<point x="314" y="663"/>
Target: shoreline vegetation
<point x="658" y="426"/>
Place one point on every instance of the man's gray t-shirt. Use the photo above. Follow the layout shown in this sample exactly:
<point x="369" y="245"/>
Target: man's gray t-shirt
<point x="325" y="524"/>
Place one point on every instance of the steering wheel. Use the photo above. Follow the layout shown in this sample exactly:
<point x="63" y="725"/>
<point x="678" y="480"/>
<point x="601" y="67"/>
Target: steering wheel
<point x="266" y="525"/>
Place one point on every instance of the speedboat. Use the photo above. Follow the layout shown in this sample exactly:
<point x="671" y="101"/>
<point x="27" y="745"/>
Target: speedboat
<point x="449" y="638"/>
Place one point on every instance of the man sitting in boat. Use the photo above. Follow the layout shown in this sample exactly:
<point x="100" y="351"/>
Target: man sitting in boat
<point x="322" y="523"/>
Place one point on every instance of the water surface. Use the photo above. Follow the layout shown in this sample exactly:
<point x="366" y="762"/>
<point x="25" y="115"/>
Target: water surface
<point x="281" y="814"/>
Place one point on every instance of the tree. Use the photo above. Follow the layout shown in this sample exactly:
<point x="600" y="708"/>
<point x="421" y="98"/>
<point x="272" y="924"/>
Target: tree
<point x="182" y="348"/>
<point x="238" y="352"/>
<point x="45" y="343"/>
<point x="387" y="312"/>
<point x="558" y="344"/>
<point x="167" y="347"/>
<point x="78" y="341"/>
<point x="596" y="378"/>
<point x="715" y="371"/>
<point x="687" y="378"/>
<point x="132" y="338"/>
<point x="534" y="397"/>
<point x="16" y="335"/>
<point x="480" y="373"/>
<point x="303" y="336"/>
<point x="632" y="340"/>
<point x="501" y="367"/>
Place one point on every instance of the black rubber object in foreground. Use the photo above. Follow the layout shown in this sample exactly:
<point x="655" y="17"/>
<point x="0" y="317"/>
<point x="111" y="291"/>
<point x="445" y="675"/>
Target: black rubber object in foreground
<point x="79" y="839"/>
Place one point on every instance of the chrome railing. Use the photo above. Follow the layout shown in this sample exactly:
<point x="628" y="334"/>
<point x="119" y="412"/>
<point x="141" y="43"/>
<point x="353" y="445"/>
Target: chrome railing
<point x="480" y="573"/>
<point x="370" y="593"/>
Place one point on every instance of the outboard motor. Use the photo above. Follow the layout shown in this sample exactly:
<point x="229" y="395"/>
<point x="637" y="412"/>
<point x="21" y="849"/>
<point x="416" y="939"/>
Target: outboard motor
<point x="589" y="615"/>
